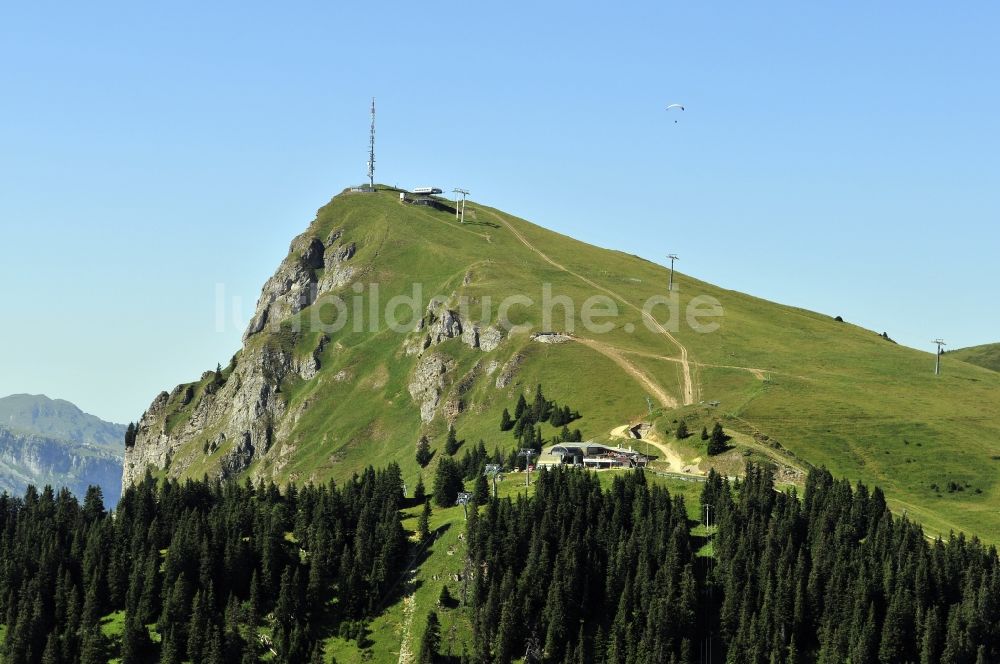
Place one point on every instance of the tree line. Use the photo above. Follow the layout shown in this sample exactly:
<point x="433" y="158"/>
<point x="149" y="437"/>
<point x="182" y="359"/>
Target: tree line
<point x="835" y="578"/>
<point x="221" y="573"/>
<point x="577" y="574"/>
<point x="230" y="573"/>
<point x="525" y="425"/>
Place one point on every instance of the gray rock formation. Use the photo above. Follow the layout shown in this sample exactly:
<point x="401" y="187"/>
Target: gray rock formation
<point x="551" y="338"/>
<point x="243" y="418"/>
<point x="243" y="411"/>
<point x="491" y="338"/>
<point x="296" y="283"/>
<point x="428" y="383"/>
<point x="508" y="371"/>
<point x="440" y="323"/>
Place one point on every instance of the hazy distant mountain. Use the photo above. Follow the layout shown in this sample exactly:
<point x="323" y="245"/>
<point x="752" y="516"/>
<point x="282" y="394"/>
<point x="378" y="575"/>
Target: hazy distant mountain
<point x="51" y="441"/>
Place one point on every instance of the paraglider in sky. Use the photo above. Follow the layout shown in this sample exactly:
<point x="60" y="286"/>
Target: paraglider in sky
<point x="677" y="106"/>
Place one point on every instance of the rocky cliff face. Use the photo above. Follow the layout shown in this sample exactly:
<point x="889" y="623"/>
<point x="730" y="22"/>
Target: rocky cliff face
<point x="223" y="424"/>
<point x="239" y="410"/>
<point x="239" y="413"/>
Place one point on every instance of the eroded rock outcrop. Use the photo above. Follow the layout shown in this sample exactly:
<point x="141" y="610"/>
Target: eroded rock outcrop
<point x="297" y="282"/>
<point x="508" y="371"/>
<point x="440" y="323"/>
<point x="240" y="414"/>
<point x="428" y="383"/>
<point x="227" y="422"/>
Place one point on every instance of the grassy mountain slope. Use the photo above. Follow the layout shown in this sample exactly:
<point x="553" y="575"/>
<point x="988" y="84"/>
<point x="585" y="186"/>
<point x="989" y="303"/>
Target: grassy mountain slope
<point x="987" y="356"/>
<point x="786" y="379"/>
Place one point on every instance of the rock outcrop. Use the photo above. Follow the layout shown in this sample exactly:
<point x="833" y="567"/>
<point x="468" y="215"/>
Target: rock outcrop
<point x="225" y="423"/>
<point x="551" y="338"/>
<point x="297" y="282"/>
<point x="240" y="414"/>
<point x="428" y="383"/>
<point x="440" y="323"/>
<point x="508" y="371"/>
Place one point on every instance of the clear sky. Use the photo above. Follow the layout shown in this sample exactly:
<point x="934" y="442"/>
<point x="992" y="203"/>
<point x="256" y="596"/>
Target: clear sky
<point x="844" y="157"/>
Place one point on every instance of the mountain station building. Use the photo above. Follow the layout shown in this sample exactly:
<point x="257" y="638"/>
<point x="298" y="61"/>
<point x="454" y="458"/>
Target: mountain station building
<point x="591" y="455"/>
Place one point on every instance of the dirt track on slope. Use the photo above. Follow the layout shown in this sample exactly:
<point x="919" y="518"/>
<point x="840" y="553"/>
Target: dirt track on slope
<point x="670" y="455"/>
<point x="688" y="386"/>
<point x="615" y="356"/>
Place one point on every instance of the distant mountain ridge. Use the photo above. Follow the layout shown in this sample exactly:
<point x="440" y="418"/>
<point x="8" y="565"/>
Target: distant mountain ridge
<point x="57" y="418"/>
<point x="986" y="356"/>
<point x="51" y="441"/>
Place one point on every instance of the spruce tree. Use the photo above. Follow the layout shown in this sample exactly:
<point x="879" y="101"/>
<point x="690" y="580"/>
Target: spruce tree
<point x="447" y="482"/>
<point x="521" y="407"/>
<point x="930" y="644"/>
<point x="682" y="430"/>
<point x="136" y="643"/>
<point x="519" y="425"/>
<point x="451" y="444"/>
<point x="481" y="494"/>
<point x="130" y="435"/>
<point x="423" y="522"/>
<point x="51" y="653"/>
<point x="196" y="628"/>
<point x="419" y="491"/>
<point x="538" y="407"/>
<point x="717" y="441"/>
<point x="94" y="647"/>
<point x="255" y="608"/>
<point x="423" y="451"/>
<point x="431" y="641"/>
<point x="213" y="649"/>
<point x="506" y="423"/>
<point x="168" y="649"/>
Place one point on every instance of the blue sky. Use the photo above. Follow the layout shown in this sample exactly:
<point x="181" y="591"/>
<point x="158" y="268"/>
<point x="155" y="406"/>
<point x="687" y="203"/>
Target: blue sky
<point x="843" y="157"/>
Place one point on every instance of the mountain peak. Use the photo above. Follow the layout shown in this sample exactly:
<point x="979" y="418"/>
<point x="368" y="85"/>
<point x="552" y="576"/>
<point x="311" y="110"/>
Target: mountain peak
<point x="333" y="375"/>
<point x="41" y="415"/>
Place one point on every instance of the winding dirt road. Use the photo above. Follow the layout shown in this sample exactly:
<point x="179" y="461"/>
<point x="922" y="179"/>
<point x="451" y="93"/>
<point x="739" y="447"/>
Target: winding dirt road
<point x="615" y="355"/>
<point x="677" y="463"/>
<point x="688" y="386"/>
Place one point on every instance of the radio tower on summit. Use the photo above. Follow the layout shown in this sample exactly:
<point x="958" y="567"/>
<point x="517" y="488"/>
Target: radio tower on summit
<point x="371" y="151"/>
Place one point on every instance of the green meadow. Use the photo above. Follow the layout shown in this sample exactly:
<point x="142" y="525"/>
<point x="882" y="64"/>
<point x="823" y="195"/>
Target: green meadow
<point x="831" y="393"/>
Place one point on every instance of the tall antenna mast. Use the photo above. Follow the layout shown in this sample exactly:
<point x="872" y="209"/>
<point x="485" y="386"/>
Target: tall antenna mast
<point x="371" y="152"/>
<point x="672" y="257"/>
<point x="937" y="364"/>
